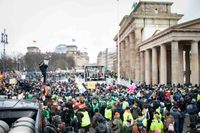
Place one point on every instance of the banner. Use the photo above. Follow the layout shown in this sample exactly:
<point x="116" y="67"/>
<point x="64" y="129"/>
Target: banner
<point x="13" y="81"/>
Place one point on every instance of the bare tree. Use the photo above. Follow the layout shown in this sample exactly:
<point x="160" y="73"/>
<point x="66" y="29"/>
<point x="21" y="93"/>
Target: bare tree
<point x="61" y="61"/>
<point x="32" y="60"/>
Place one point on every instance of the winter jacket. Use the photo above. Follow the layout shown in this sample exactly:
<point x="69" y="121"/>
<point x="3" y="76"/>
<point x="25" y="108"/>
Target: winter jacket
<point x="95" y="119"/>
<point x="168" y="120"/>
<point x="177" y="115"/>
<point x="101" y="128"/>
<point x="135" y="128"/>
<point x="127" y="129"/>
<point x="135" y="112"/>
<point x="157" y="125"/>
<point x="127" y="116"/>
<point x="118" y="123"/>
<point x="115" y="129"/>
<point x="192" y="109"/>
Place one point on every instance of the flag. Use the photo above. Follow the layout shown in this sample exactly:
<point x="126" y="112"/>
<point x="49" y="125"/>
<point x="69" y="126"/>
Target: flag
<point x="129" y="80"/>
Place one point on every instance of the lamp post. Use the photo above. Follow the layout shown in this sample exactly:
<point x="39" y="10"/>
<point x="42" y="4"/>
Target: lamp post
<point x="4" y="41"/>
<point x="43" y="68"/>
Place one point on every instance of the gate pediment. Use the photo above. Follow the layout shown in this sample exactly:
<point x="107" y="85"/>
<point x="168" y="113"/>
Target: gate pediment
<point x="195" y="24"/>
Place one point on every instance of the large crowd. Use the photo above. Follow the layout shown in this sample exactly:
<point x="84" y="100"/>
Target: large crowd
<point x="112" y="108"/>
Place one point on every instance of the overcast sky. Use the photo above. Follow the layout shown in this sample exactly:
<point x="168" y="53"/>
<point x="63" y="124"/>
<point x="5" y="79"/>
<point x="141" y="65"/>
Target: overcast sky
<point x="92" y="23"/>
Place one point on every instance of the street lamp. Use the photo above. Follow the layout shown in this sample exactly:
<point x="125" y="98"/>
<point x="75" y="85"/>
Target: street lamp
<point x="4" y="41"/>
<point x="43" y="68"/>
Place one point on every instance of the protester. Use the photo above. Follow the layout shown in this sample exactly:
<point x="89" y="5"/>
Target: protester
<point x="193" y="113"/>
<point x="111" y="108"/>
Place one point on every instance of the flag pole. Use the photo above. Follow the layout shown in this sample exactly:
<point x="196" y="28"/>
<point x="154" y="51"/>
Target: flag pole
<point x="118" y="47"/>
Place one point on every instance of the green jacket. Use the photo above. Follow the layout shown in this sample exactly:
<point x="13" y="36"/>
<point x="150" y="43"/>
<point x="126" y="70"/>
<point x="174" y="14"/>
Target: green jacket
<point x="30" y="96"/>
<point x="127" y="129"/>
<point x="118" y="122"/>
<point x="46" y="114"/>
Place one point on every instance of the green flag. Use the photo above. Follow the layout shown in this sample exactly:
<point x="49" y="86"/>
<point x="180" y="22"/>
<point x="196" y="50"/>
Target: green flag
<point x="129" y="80"/>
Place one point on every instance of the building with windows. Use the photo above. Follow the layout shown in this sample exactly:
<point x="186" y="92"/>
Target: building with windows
<point x="107" y="58"/>
<point x="81" y="58"/>
<point x="61" y="48"/>
<point x="155" y="49"/>
<point x="33" y="50"/>
<point x="71" y="50"/>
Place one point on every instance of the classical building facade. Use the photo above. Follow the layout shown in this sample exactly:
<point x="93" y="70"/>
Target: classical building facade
<point x="172" y="56"/>
<point x="81" y="59"/>
<point x="154" y="49"/>
<point x="71" y="49"/>
<point x="107" y="58"/>
<point x="101" y="58"/>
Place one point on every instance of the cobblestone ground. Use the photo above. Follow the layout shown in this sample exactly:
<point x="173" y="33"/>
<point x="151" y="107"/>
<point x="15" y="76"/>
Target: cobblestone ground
<point x="186" y="124"/>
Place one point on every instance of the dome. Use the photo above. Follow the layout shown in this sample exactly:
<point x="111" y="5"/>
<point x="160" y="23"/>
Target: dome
<point x="61" y="48"/>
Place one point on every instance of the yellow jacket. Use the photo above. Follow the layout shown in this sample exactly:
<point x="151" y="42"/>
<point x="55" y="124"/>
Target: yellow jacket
<point x="157" y="125"/>
<point x="85" y="119"/>
<point x="127" y="115"/>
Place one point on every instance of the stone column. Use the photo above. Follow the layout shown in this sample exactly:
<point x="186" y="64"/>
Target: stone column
<point x="194" y="63"/>
<point x="138" y="39"/>
<point x="175" y="62"/>
<point x="181" y="69"/>
<point x="154" y="66"/>
<point x="142" y="66"/>
<point x="132" y="56"/>
<point x="187" y="65"/>
<point x="114" y="66"/>
<point x="163" y="64"/>
<point x="127" y="57"/>
<point x="147" y="67"/>
<point x="169" y="66"/>
<point x="122" y="58"/>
